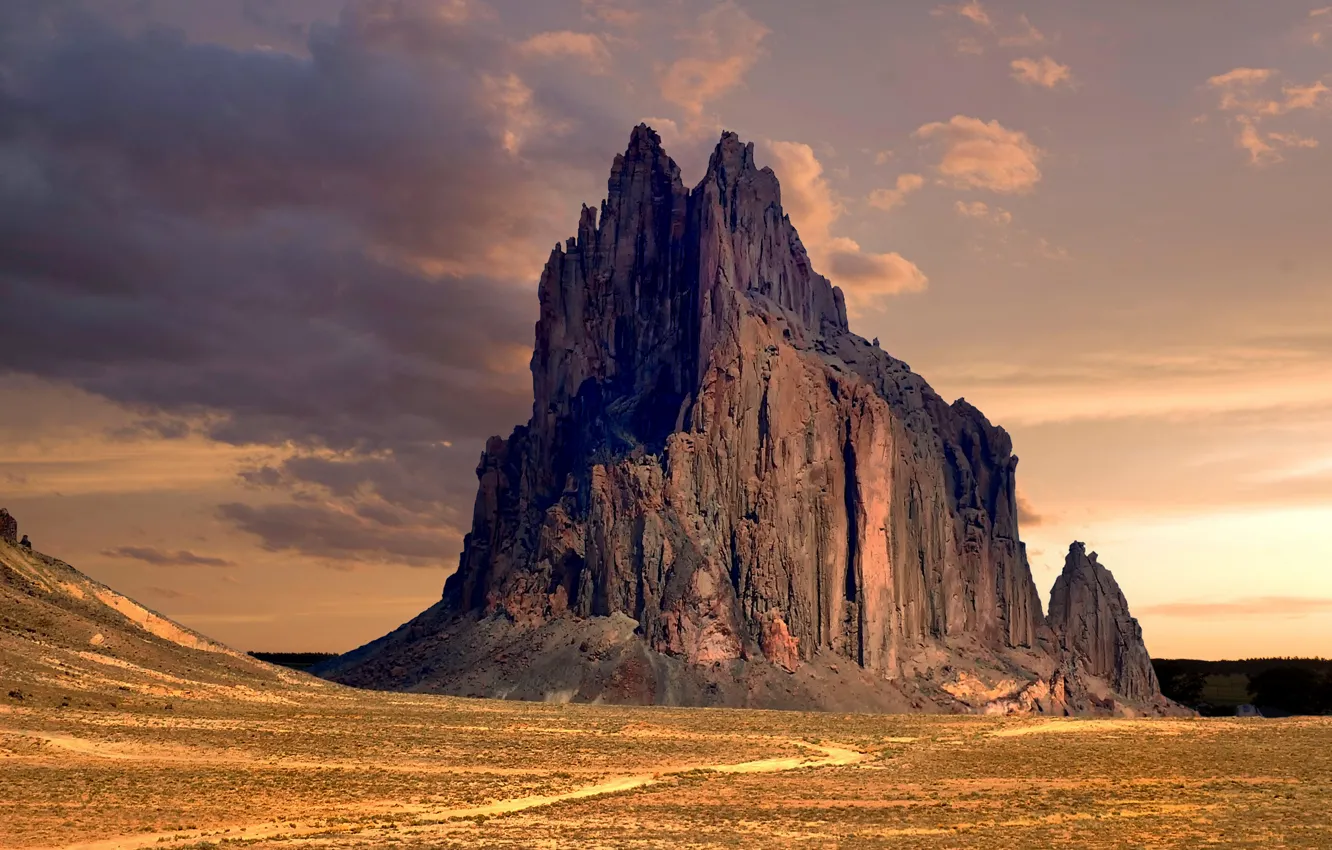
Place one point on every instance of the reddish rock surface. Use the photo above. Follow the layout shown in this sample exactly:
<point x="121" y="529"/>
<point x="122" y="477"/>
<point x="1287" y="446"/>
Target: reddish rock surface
<point x="714" y="458"/>
<point x="1091" y="618"/>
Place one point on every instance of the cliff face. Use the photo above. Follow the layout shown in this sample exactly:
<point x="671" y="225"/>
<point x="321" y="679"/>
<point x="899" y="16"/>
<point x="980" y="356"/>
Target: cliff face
<point x="715" y="458"/>
<point x="1091" y="619"/>
<point x="712" y="450"/>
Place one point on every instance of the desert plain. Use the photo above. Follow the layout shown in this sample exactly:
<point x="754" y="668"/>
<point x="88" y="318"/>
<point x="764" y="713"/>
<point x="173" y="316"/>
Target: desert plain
<point x="302" y="763"/>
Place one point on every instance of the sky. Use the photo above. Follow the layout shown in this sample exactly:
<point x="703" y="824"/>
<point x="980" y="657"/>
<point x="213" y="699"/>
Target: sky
<point x="268" y="273"/>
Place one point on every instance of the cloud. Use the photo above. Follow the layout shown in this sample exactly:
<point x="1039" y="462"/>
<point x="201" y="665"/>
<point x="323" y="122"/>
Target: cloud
<point x="1247" y="95"/>
<point x="1255" y="606"/>
<point x="721" y="49"/>
<point x="320" y="253"/>
<point x="623" y="14"/>
<point x="982" y="210"/>
<point x="972" y="11"/>
<point x="1050" y="251"/>
<point x="865" y="277"/>
<point x="1263" y="380"/>
<point x="169" y="593"/>
<point x="1265" y="148"/>
<point x="1318" y="26"/>
<point x="1240" y="77"/>
<point x="1044" y="72"/>
<point x="160" y="558"/>
<point x="344" y="538"/>
<point x="1026" y="36"/>
<point x="588" y="48"/>
<point x="1302" y="97"/>
<point x="1023" y="34"/>
<point x="887" y="199"/>
<point x="984" y="155"/>
<point x="1027" y="515"/>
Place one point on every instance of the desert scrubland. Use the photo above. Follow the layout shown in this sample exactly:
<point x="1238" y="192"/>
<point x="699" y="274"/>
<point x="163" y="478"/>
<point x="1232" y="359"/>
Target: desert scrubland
<point x="331" y="767"/>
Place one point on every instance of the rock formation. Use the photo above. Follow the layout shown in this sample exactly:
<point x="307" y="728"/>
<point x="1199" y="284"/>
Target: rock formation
<point x="717" y="463"/>
<point x="8" y="527"/>
<point x="1091" y="620"/>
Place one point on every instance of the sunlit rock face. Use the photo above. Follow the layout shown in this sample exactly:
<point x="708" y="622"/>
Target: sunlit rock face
<point x="715" y="457"/>
<point x="1091" y="619"/>
<point x="710" y="443"/>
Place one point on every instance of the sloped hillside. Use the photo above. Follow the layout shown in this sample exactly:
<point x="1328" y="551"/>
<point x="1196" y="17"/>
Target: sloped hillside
<point x="67" y="639"/>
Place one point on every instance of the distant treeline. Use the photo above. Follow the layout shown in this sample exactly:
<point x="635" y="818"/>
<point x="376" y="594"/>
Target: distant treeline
<point x="294" y="660"/>
<point x="1278" y="686"/>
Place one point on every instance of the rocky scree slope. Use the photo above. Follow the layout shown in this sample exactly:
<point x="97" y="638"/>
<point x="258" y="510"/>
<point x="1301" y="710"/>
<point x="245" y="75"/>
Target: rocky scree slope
<point x="724" y="496"/>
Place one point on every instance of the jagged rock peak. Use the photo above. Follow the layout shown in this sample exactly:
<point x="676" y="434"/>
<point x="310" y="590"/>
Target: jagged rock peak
<point x="1090" y="617"/>
<point x="724" y="477"/>
<point x="733" y="161"/>
<point x="8" y="527"/>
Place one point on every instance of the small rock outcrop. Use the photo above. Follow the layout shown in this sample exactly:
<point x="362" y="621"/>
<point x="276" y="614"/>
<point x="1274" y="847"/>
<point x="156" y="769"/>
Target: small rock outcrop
<point x="8" y="527"/>
<point x="785" y="514"/>
<point x="1090" y="618"/>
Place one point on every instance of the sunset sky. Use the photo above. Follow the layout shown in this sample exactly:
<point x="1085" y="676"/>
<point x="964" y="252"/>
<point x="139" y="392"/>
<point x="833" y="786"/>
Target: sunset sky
<point x="268" y="272"/>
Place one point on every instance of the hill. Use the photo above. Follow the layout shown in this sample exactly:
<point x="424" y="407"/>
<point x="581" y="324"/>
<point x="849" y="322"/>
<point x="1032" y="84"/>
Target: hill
<point x="66" y="639"/>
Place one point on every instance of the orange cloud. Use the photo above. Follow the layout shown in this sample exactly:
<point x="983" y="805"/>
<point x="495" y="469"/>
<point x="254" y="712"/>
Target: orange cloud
<point x="1240" y="76"/>
<point x="510" y="99"/>
<point x="587" y="47"/>
<point x="887" y="199"/>
<point x="975" y="12"/>
<point x="864" y="276"/>
<point x="1025" y="35"/>
<point x="1256" y="606"/>
<point x="1044" y="72"/>
<point x="980" y="209"/>
<point x="984" y="155"/>
<point x="726" y="43"/>
<point x="1245" y="92"/>
<point x="1302" y="97"/>
<point x="972" y="10"/>
<point x="1318" y="26"/>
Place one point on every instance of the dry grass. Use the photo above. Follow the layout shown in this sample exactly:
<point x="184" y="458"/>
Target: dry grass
<point x="339" y="768"/>
<point x="134" y="733"/>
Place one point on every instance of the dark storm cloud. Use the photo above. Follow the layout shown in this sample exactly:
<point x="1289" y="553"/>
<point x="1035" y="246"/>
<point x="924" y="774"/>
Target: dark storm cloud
<point x="1028" y="516"/>
<point x="345" y="540"/>
<point x="159" y="558"/>
<point x="320" y="252"/>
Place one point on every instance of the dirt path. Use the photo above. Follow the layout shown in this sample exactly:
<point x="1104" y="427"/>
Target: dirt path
<point x="832" y="756"/>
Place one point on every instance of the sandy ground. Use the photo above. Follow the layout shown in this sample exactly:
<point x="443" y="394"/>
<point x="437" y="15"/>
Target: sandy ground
<point x="341" y="768"/>
<point x="120" y="729"/>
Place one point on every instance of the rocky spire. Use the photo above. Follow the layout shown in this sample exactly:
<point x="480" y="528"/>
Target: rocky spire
<point x="714" y="457"/>
<point x="748" y="244"/>
<point x="1091" y="619"/>
<point x="8" y="527"/>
